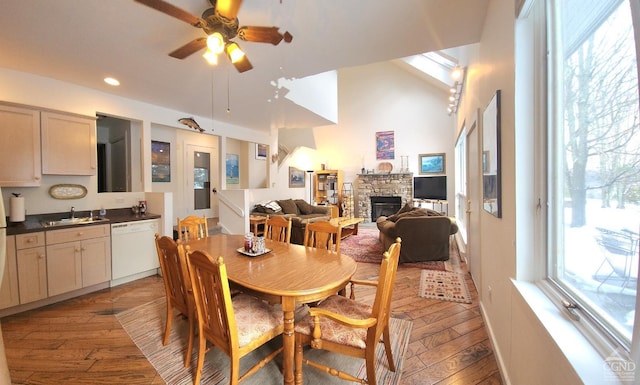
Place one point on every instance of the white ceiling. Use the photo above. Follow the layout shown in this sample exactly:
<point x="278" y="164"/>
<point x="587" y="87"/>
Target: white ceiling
<point x="83" y="41"/>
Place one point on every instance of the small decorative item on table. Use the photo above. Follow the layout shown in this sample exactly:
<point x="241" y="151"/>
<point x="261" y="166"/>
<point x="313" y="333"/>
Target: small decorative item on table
<point x="248" y="242"/>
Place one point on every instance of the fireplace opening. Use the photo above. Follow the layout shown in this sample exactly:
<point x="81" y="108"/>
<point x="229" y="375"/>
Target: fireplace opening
<point x="384" y="205"/>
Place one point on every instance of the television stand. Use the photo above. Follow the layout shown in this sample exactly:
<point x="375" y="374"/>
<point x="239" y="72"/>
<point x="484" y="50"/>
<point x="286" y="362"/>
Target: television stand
<point x="444" y="205"/>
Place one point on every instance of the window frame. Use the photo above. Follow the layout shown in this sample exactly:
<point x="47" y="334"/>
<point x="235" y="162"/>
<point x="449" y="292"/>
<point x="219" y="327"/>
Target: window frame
<point x="606" y="342"/>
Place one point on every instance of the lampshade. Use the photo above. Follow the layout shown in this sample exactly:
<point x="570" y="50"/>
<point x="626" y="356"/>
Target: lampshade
<point x="234" y="52"/>
<point x="212" y="57"/>
<point x="215" y="42"/>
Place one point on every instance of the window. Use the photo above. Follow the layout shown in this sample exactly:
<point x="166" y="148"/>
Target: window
<point x="593" y="173"/>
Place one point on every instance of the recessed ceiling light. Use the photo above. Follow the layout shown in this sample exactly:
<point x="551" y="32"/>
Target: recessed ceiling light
<point x="112" y="81"/>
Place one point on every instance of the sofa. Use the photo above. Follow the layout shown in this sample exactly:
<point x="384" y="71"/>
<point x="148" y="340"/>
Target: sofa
<point x="425" y="233"/>
<point x="298" y="210"/>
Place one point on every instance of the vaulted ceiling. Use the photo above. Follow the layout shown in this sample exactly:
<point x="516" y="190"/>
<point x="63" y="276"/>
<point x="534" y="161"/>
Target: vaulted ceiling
<point x="83" y="41"/>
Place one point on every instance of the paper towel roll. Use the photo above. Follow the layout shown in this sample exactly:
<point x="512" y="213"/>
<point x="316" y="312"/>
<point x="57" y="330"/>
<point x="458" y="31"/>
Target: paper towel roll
<point x="17" y="209"/>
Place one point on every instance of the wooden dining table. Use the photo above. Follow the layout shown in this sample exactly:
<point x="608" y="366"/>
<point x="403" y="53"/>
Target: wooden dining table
<point x="289" y="274"/>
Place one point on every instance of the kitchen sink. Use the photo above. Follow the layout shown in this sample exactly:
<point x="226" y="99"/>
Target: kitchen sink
<point x="73" y="221"/>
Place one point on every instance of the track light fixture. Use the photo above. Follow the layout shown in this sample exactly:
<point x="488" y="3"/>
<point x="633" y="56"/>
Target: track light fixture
<point x="455" y="92"/>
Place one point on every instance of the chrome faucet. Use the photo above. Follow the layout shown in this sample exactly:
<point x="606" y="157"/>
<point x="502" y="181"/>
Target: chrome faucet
<point x="73" y="212"/>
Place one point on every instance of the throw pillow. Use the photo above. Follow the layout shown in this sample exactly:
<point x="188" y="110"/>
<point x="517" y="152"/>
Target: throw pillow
<point x="289" y="206"/>
<point x="304" y="207"/>
<point x="405" y="208"/>
<point x="272" y="208"/>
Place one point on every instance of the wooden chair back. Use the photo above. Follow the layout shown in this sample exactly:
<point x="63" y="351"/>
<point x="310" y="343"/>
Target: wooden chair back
<point x="332" y="326"/>
<point x="217" y="319"/>
<point x="278" y="229"/>
<point x="192" y="227"/>
<point x="322" y="235"/>
<point x="177" y="286"/>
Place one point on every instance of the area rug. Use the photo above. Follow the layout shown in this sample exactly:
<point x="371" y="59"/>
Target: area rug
<point x="366" y="247"/>
<point x="145" y="326"/>
<point x="444" y="285"/>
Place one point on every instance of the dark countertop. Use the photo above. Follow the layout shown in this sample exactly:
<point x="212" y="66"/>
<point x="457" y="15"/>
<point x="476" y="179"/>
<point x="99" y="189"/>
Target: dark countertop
<point x="33" y="223"/>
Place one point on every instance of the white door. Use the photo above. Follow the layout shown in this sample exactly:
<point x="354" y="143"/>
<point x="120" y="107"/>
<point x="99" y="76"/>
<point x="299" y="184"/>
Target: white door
<point x="473" y="204"/>
<point x="201" y="181"/>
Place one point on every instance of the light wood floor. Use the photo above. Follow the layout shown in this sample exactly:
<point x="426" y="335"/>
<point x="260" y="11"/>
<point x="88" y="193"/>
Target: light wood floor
<point x="81" y="342"/>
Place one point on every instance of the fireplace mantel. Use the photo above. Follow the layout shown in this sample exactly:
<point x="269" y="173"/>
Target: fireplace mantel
<point x="381" y="184"/>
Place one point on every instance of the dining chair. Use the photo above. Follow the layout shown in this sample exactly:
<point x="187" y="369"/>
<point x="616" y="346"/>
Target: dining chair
<point x="177" y="286"/>
<point x="343" y="325"/>
<point x="237" y="327"/>
<point x="192" y="227"/>
<point x="322" y="235"/>
<point x="278" y="229"/>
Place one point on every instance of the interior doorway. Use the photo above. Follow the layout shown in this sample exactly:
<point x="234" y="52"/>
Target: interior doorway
<point x="202" y="181"/>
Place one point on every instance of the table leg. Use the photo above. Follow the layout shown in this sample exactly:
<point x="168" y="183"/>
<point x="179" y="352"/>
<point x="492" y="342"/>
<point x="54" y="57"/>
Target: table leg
<point x="288" y="339"/>
<point x="355" y="229"/>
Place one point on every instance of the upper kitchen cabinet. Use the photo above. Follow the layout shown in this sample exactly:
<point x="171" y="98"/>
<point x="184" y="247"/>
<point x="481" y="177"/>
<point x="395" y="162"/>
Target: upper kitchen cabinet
<point x="68" y="144"/>
<point x="20" y="147"/>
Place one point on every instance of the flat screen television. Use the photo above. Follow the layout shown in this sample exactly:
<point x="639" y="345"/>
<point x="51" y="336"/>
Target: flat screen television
<point x="430" y="187"/>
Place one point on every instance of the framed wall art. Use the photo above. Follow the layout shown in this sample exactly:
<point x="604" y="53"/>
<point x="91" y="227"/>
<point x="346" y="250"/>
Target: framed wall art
<point x="233" y="168"/>
<point x="261" y="151"/>
<point x="491" y="179"/>
<point x="431" y="163"/>
<point x="160" y="161"/>
<point x="385" y="146"/>
<point x="296" y="177"/>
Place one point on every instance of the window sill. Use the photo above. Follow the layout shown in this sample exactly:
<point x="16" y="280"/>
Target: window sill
<point x="585" y="359"/>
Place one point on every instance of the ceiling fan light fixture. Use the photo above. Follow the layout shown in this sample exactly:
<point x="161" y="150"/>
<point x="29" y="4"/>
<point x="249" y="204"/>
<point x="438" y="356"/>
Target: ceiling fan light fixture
<point x="215" y="42"/>
<point x="234" y="52"/>
<point x="211" y="57"/>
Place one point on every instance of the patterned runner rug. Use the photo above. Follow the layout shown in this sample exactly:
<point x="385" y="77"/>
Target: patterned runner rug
<point x="444" y="285"/>
<point x="366" y="247"/>
<point x="145" y="326"/>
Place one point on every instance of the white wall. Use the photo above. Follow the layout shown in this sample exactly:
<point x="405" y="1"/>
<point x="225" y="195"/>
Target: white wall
<point x="36" y="91"/>
<point x="384" y="97"/>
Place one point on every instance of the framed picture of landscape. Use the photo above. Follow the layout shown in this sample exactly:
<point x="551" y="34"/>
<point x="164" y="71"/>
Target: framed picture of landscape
<point x="431" y="163"/>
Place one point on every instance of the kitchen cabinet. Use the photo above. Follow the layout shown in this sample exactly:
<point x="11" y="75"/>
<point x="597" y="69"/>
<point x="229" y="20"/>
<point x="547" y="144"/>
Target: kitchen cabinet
<point x="32" y="266"/>
<point x="78" y="257"/>
<point x="20" y="147"/>
<point x="9" y="295"/>
<point x="68" y="144"/>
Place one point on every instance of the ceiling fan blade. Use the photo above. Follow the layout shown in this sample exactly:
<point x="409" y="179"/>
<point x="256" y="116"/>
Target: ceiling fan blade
<point x="263" y="35"/>
<point x="189" y="48"/>
<point x="243" y="65"/>
<point x="172" y="10"/>
<point x="228" y="8"/>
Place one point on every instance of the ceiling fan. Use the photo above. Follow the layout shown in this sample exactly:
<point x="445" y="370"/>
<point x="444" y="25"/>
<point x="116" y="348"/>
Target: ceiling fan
<point x="220" y="23"/>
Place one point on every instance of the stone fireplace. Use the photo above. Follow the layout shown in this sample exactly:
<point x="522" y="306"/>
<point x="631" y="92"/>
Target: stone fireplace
<point x="394" y="185"/>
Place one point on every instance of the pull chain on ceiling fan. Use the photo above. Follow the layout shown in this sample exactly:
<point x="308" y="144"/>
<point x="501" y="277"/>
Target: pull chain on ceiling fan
<point x="220" y="23"/>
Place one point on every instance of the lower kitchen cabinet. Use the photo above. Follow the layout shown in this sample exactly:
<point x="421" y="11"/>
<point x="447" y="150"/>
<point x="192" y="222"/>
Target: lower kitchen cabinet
<point x="96" y="261"/>
<point x="9" y="295"/>
<point x="42" y="265"/>
<point x="78" y="257"/>
<point x="64" y="268"/>
<point x="32" y="266"/>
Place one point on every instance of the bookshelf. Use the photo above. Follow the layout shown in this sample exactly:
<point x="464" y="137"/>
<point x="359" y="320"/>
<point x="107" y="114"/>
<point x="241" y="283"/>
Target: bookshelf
<point x="327" y="186"/>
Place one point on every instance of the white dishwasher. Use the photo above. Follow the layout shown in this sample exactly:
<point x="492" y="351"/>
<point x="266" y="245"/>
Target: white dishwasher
<point x="133" y="250"/>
